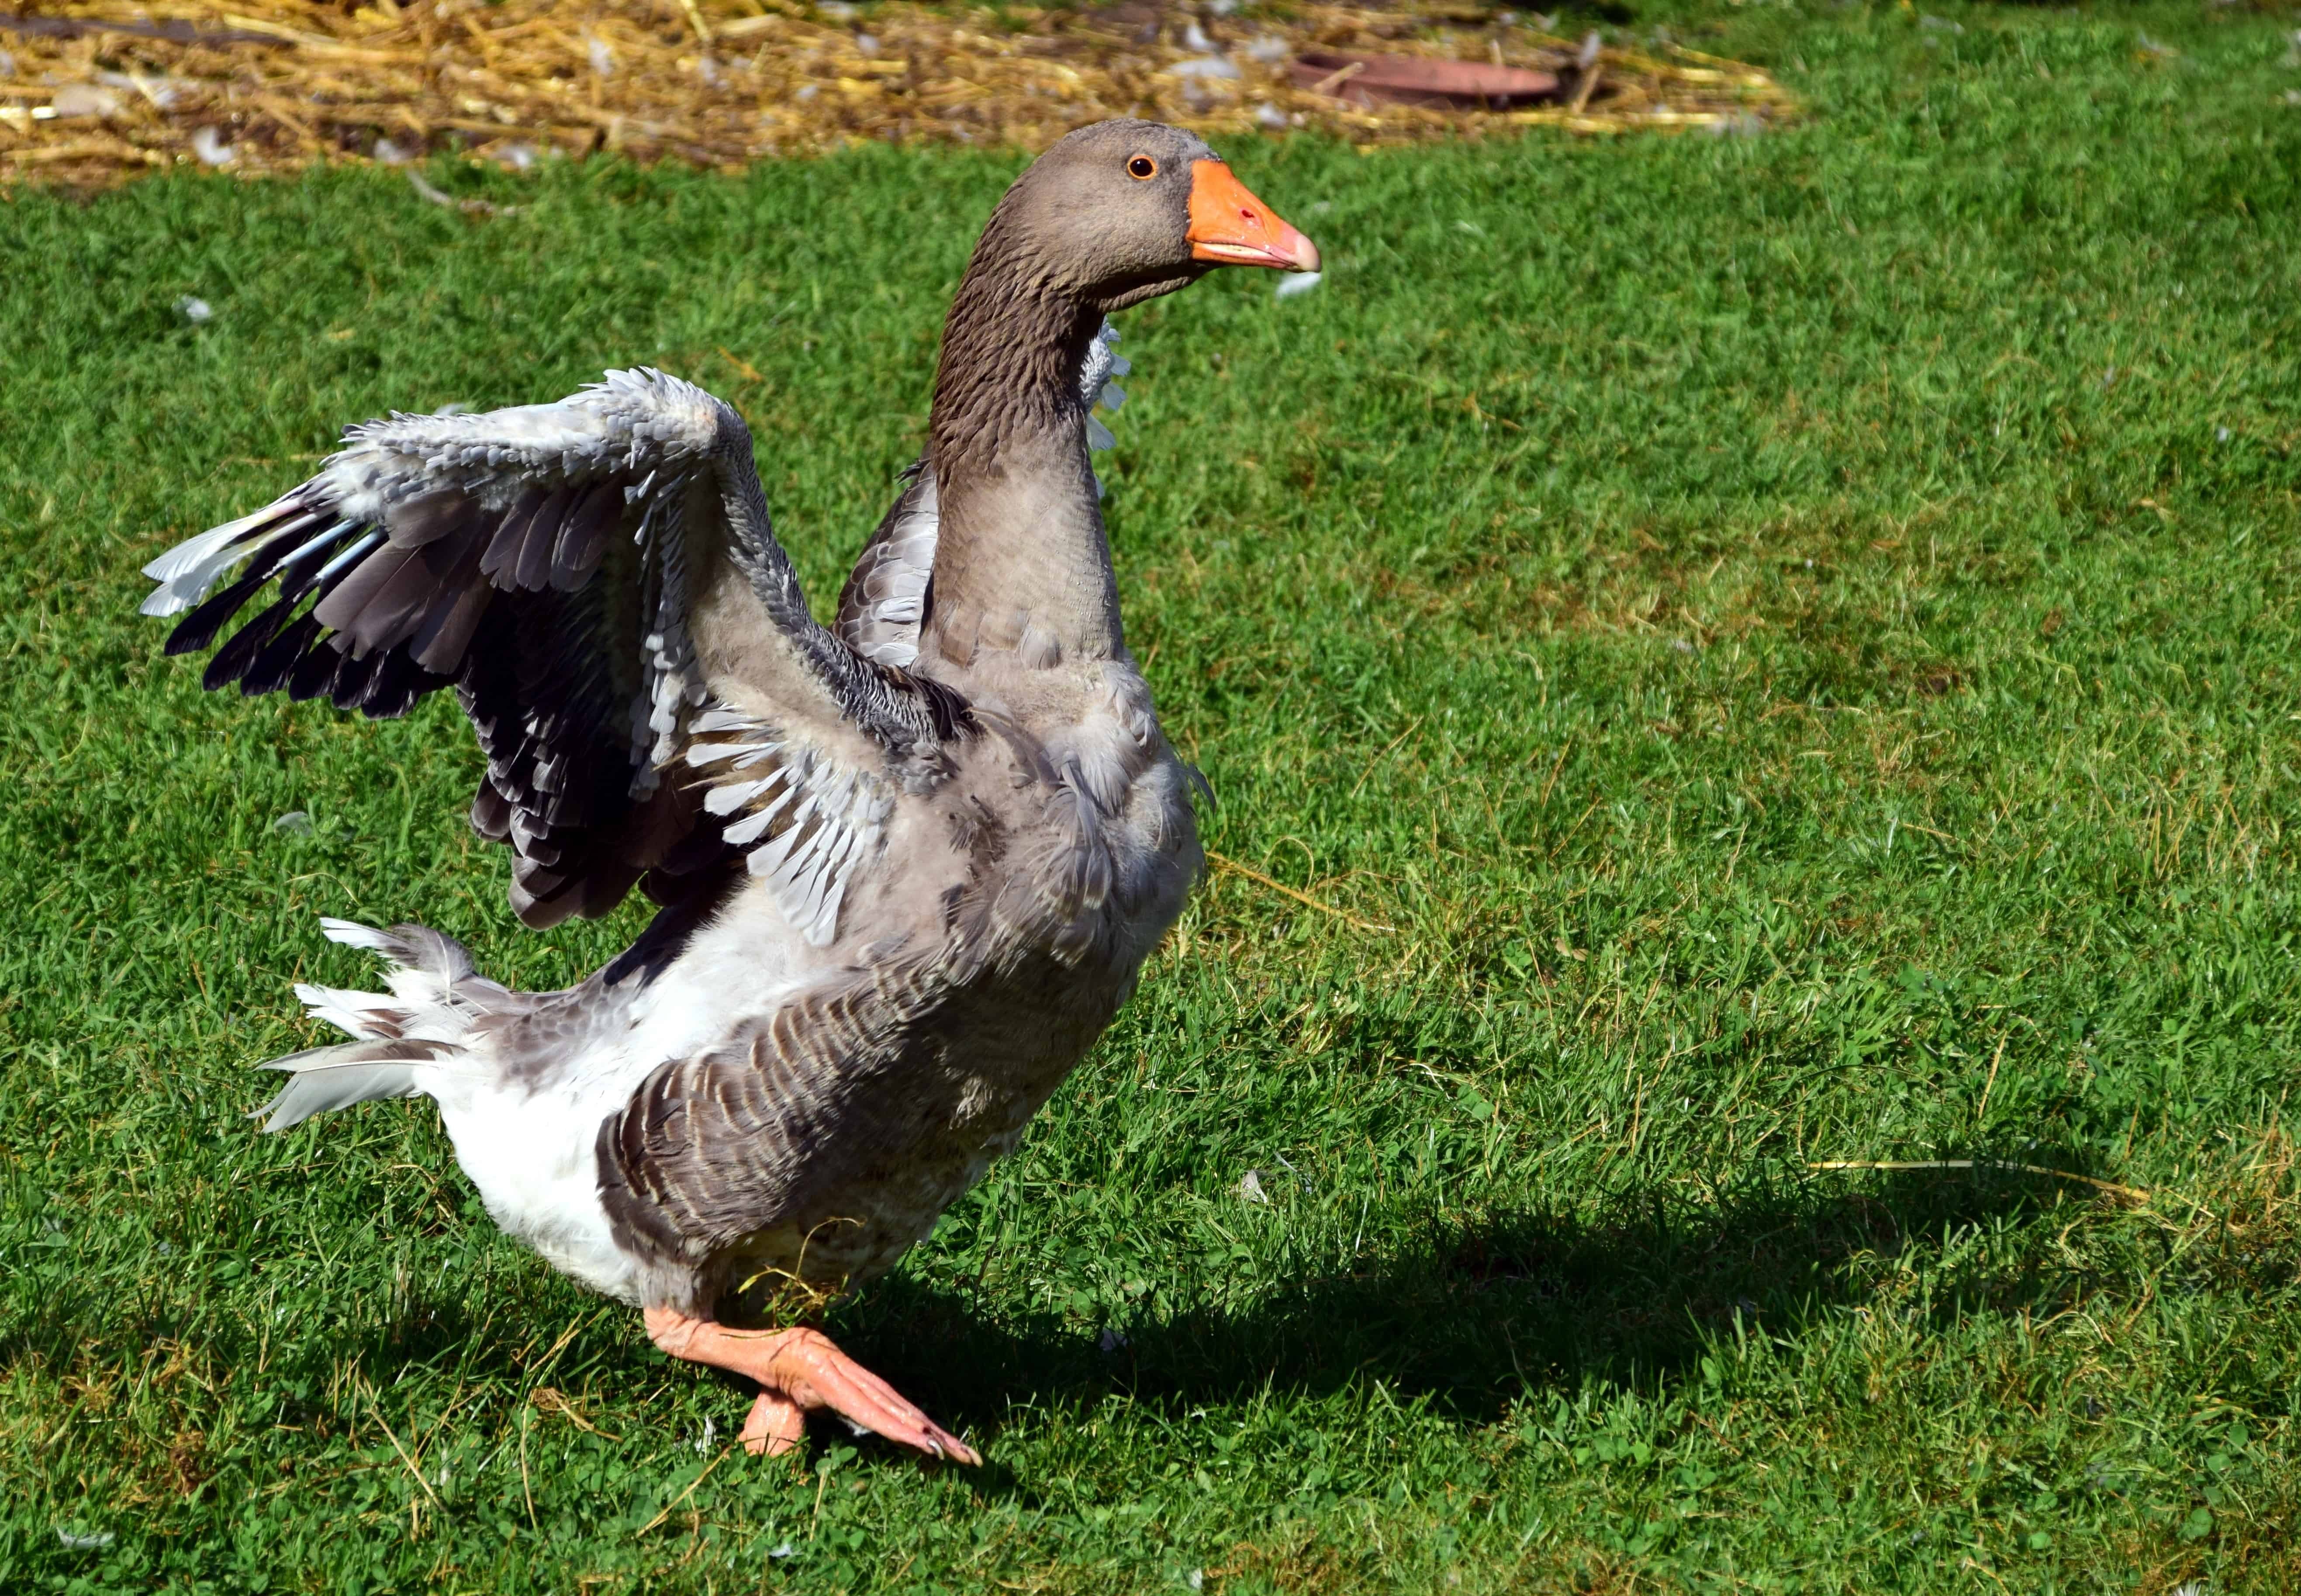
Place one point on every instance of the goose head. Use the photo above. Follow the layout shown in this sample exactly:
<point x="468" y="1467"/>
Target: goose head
<point x="1123" y="212"/>
<point x="1110" y="216"/>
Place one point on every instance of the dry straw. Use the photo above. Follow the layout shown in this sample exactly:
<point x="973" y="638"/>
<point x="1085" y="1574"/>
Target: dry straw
<point x="92" y="93"/>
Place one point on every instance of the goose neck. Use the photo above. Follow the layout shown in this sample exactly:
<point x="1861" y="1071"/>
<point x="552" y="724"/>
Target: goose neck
<point x="1022" y="563"/>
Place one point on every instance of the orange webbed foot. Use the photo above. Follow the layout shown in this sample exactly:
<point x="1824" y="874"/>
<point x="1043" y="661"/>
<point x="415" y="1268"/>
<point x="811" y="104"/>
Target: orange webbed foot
<point x="798" y="1370"/>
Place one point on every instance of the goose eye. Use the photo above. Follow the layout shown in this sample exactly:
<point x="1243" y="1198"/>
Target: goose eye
<point x="1142" y="167"/>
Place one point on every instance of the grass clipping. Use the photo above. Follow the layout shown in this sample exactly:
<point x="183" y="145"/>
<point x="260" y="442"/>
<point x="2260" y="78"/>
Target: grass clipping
<point x="94" y="92"/>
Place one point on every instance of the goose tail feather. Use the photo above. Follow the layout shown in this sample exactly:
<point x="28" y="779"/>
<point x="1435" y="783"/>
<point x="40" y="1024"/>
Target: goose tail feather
<point x="436" y="994"/>
<point x="326" y="1079"/>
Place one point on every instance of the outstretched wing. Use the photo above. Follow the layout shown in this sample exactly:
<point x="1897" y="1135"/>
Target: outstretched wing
<point x="885" y="600"/>
<point x="554" y="563"/>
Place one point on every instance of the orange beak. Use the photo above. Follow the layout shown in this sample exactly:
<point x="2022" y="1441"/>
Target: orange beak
<point x="1232" y="228"/>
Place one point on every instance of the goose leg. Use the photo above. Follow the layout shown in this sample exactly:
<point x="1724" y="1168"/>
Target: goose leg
<point x="799" y="1369"/>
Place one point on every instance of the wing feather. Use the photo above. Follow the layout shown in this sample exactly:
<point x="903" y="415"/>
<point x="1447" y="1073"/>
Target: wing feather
<point x="539" y="558"/>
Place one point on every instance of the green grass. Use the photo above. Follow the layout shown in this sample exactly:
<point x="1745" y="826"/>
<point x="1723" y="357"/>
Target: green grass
<point x="1796" y="634"/>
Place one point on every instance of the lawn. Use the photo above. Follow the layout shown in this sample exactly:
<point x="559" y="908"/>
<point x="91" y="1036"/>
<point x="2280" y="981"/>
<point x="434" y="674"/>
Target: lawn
<point x="1763" y="650"/>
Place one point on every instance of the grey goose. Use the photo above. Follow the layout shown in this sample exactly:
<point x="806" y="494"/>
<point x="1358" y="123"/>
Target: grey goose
<point x="908" y="867"/>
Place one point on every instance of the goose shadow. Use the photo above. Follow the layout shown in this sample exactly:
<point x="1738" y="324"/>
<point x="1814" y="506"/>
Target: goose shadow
<point x="1469" y="1317"/>
<point x="1476" y="1314"/>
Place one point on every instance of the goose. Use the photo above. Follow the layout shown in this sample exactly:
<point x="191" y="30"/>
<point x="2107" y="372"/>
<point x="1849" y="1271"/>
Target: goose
<point x="907" y="867"/>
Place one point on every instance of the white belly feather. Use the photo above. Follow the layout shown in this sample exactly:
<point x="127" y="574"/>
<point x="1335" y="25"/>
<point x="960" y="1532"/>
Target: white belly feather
<point x="530" y="1149"/>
